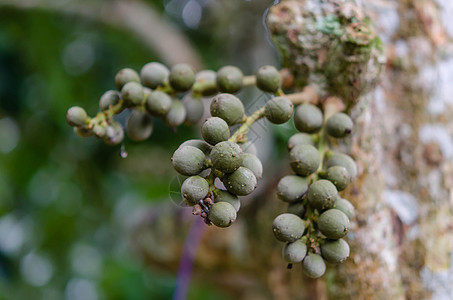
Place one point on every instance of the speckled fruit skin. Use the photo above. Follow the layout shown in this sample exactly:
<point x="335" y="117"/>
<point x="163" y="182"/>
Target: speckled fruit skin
<point x="76" y="116"/>
<point x="229" y="79"/>
<point x="322" y="194"/>
<point x="278" y="110"/>
<point x="241" y="182"/>
<point x="308" y="118"/>
<point x="215" y="130"/>
<point x="194" y="109"/>
<point x="194" y="189"/>
<point x="108" y="99"/>
<point x="268" y="79"/>
<point x="154" y="74"/>
<point x="291" y="188"/>
<point x="335" y="251"/>
<point x="225" y="196"/>
<point x="288" y="227"/>
<point x="339" y="176"/>
<point x="340" y="159"/>
<point x="132" y="93"/>
<point x="339" y="125"/>
<point x="300" y="139"/>
<point x="176" y="115"/>
<point x="222" y="214"/>
<point x="304" y="159"/>
<point x="200" y="144"/>
<point x="182" y="77"/>
<point x="189" y="160"/>
<point x="333" y="223"/>
<point x="294" y="252"/>
<point x="139" y="126"/>
<point x="253" y="163"/>
<point x="346" y="207"/>
<point x="124" y="76"/>
<point x="313" y="265"/>
<point x="227" y="107"/>
<point x="226" y="156"/>
<point x="158" y="103"/>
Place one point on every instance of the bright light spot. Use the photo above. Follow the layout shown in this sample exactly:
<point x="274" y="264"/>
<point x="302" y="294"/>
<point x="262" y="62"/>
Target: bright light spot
<point x="86" y="261"/>
<point x="35" y="269"/>
<point x="9" y="135"/>
<point x="80" y="289"/>
<point x="78" y="57"/>
<point x="12" y="233"/>
<point x="191" y="14"/>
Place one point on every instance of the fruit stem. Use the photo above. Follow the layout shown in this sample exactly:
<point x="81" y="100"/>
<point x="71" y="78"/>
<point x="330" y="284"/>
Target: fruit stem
<point x="307" y="95"/>
<point x="240" y="134"/>
<point x="249" y="80"/>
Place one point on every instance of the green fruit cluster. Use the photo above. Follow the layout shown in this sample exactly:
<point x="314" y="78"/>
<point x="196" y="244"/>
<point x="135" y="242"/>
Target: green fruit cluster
<point x="317" y="218"/>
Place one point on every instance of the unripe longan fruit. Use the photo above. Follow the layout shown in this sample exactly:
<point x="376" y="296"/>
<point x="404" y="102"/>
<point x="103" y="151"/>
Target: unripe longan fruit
<point x="226" y="156"/>
<point x="158" y="103"/>
<point x="333" y="223"/>
<point x="182" y="77"/>
<point x="304" y="159"/>
<point x="194" y="189"/>
<point x="291" y="188"/>
<point x="224" y="196"/>
<point x="339" y="176"/>
<point x="194" y="109"/>
<point x="99" y="131"/>
<point x="229" y="79"/>
<point x="308" y="118"/>
<point x="335" y="251"/>
<point x="189" y="160"/>
<point x="154" y="74"/>
<point x="322" y="194"/>
<point x="340" y="159"/>
<point x="227" y="107"/>
<point x="300" y="139"/>
<point x="139" y="126"/>
<point x="345" y="206"/>
<point x="339" y="125"/>
<point x="109" y="98"/>
<point x="248" y="147"/>
<point x="278" y="110"/>
<point x="76" y="116"/>
<point x="82" y="132"/>
<point x="268" y="79"/>
<point x="253" y="163"/>
<point x="222" y="214"/>
<point x="313" y="265"/>
<point x="176" y="115"/>
<point x="114" y="134"/>
<point x="215" y="130"/>
<point x="296" y="208"/>
<point x="294" y="252"/>
<point x="241" y="182"/>
<point x="207" y="76"/>
<point x="200" y="144"/>
<point x="133" y="93"/>
<point x="124" y="76"/>
<point x="288" y="227"/>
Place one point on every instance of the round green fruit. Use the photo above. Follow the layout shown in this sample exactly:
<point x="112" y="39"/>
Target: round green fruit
<point x="182" y="77"/>
<point x="296" y="208"/>
<point x="335" y="251"/>
<point x="313" y="265"/>
<point x="215" y="130"/>
<point x="194" y="189"/>
<point x="114" y="134"/>
<point x="76" y="116"/>
<point x="339" y="125"/>
<point x="225" y="196"/>
<point x="308" y="118"/>
<point x="108" y="99"/>
<point x="99" y="131"/>
<point x="226" y="156"/>
<point x="200" y="144"/>
<point x="288" y="227"/>
<point x="300" y="139"/>
<point x="139" y="126"/>
<point x="294" y="252"/>
<point x="322" y="194"/>
<point x="176" y="115"/>
<point x="133" y="93"/>
<point x="227" y="107"/>
<point x="207" y="77"/>
<point x="268" y="79"/>
<point x="222" y="214"/>
<point x="345" y="206"/>
<point x="154" y="74"/>
<point x="241" y="182"/>
<point x="189" y="160"/>
<point x="124" y="76"/>
<point x="229" y="79"/>
<point x="194" y="109"/>
<point x="339" y="176"/>
<point x="304" y="159"/>
<point x="340" y="159"/>
<point x="278" y="110"/>
<point x="333" y="223"/>
<point x="291" y="188"/>
<point x="158" y="103"/>
<point x="253" y="163"/>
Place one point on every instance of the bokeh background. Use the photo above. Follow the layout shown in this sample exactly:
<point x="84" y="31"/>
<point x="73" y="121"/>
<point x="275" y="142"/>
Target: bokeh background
<point x="69" y="206"/>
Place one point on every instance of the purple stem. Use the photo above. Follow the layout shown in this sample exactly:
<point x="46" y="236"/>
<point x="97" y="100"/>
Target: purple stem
<point x="187" y="258"/>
